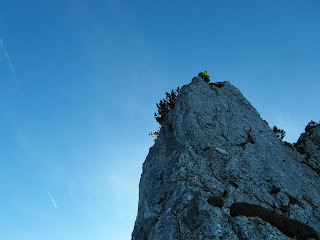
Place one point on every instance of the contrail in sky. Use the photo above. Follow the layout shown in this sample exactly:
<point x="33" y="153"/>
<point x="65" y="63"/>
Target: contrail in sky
<point x="51" y="197"/>
<point x="10" y="65"/>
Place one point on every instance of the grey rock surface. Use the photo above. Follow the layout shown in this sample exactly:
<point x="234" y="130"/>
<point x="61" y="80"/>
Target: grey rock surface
<point x="308" y="145"/>
<point x="217" y="171"/>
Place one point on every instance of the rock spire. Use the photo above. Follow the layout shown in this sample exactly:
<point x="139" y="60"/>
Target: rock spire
<point x="217" y="171"/>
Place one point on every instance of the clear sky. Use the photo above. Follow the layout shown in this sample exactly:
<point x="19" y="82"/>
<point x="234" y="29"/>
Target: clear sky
<point x="80" y="80"/>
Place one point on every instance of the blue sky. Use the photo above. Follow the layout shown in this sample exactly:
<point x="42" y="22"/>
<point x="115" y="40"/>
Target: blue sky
<point x="79" y="84"/>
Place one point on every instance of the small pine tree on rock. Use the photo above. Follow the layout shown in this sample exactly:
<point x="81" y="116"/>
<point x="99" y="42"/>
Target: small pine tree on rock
<point x="280" y="134"/>
<point x="164" y="106"/>
<point x="311" y="124"/>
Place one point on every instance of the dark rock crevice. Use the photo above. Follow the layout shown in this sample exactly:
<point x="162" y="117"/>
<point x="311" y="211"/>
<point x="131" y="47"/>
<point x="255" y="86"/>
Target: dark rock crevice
<point x="216" y="201"/>
<point x="248" y="140"/>
<point x="217" y="84"/>
<point x="290" y="227"/>
<point x="294" y="200"/>
<point x="314" y="207"/>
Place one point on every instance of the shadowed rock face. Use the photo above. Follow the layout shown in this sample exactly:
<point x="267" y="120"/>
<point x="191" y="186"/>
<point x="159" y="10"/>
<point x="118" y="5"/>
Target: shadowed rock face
<point x="217" y="171"/>
<point x="289" y="227"/>
<point x="309" y="146"/>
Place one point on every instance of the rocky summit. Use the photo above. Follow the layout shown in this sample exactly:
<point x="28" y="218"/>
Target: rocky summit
<point x="217" y="171"/>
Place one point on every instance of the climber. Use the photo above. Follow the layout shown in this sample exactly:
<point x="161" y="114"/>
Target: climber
<point x="204" y="75"/>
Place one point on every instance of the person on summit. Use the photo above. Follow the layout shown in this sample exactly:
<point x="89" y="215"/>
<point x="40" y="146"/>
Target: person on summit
<point x="204" y="75"/>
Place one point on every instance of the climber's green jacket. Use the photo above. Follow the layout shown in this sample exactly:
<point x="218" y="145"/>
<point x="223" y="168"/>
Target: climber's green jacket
<point x="205" y="76"/>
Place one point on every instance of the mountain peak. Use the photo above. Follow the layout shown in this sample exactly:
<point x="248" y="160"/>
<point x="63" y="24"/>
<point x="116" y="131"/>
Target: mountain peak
<point x="217" y="171"/>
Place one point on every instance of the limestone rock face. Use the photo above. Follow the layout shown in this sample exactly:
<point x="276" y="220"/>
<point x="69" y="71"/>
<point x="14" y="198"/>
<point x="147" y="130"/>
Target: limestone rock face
<point x="309" y="146"/>
<point x="217" y="171"/>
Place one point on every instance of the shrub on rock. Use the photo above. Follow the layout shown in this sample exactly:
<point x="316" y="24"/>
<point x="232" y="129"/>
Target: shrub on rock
<point x="280" y="134"/>
<point x="310" y="125"/>
<point x="164" y="106"/>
